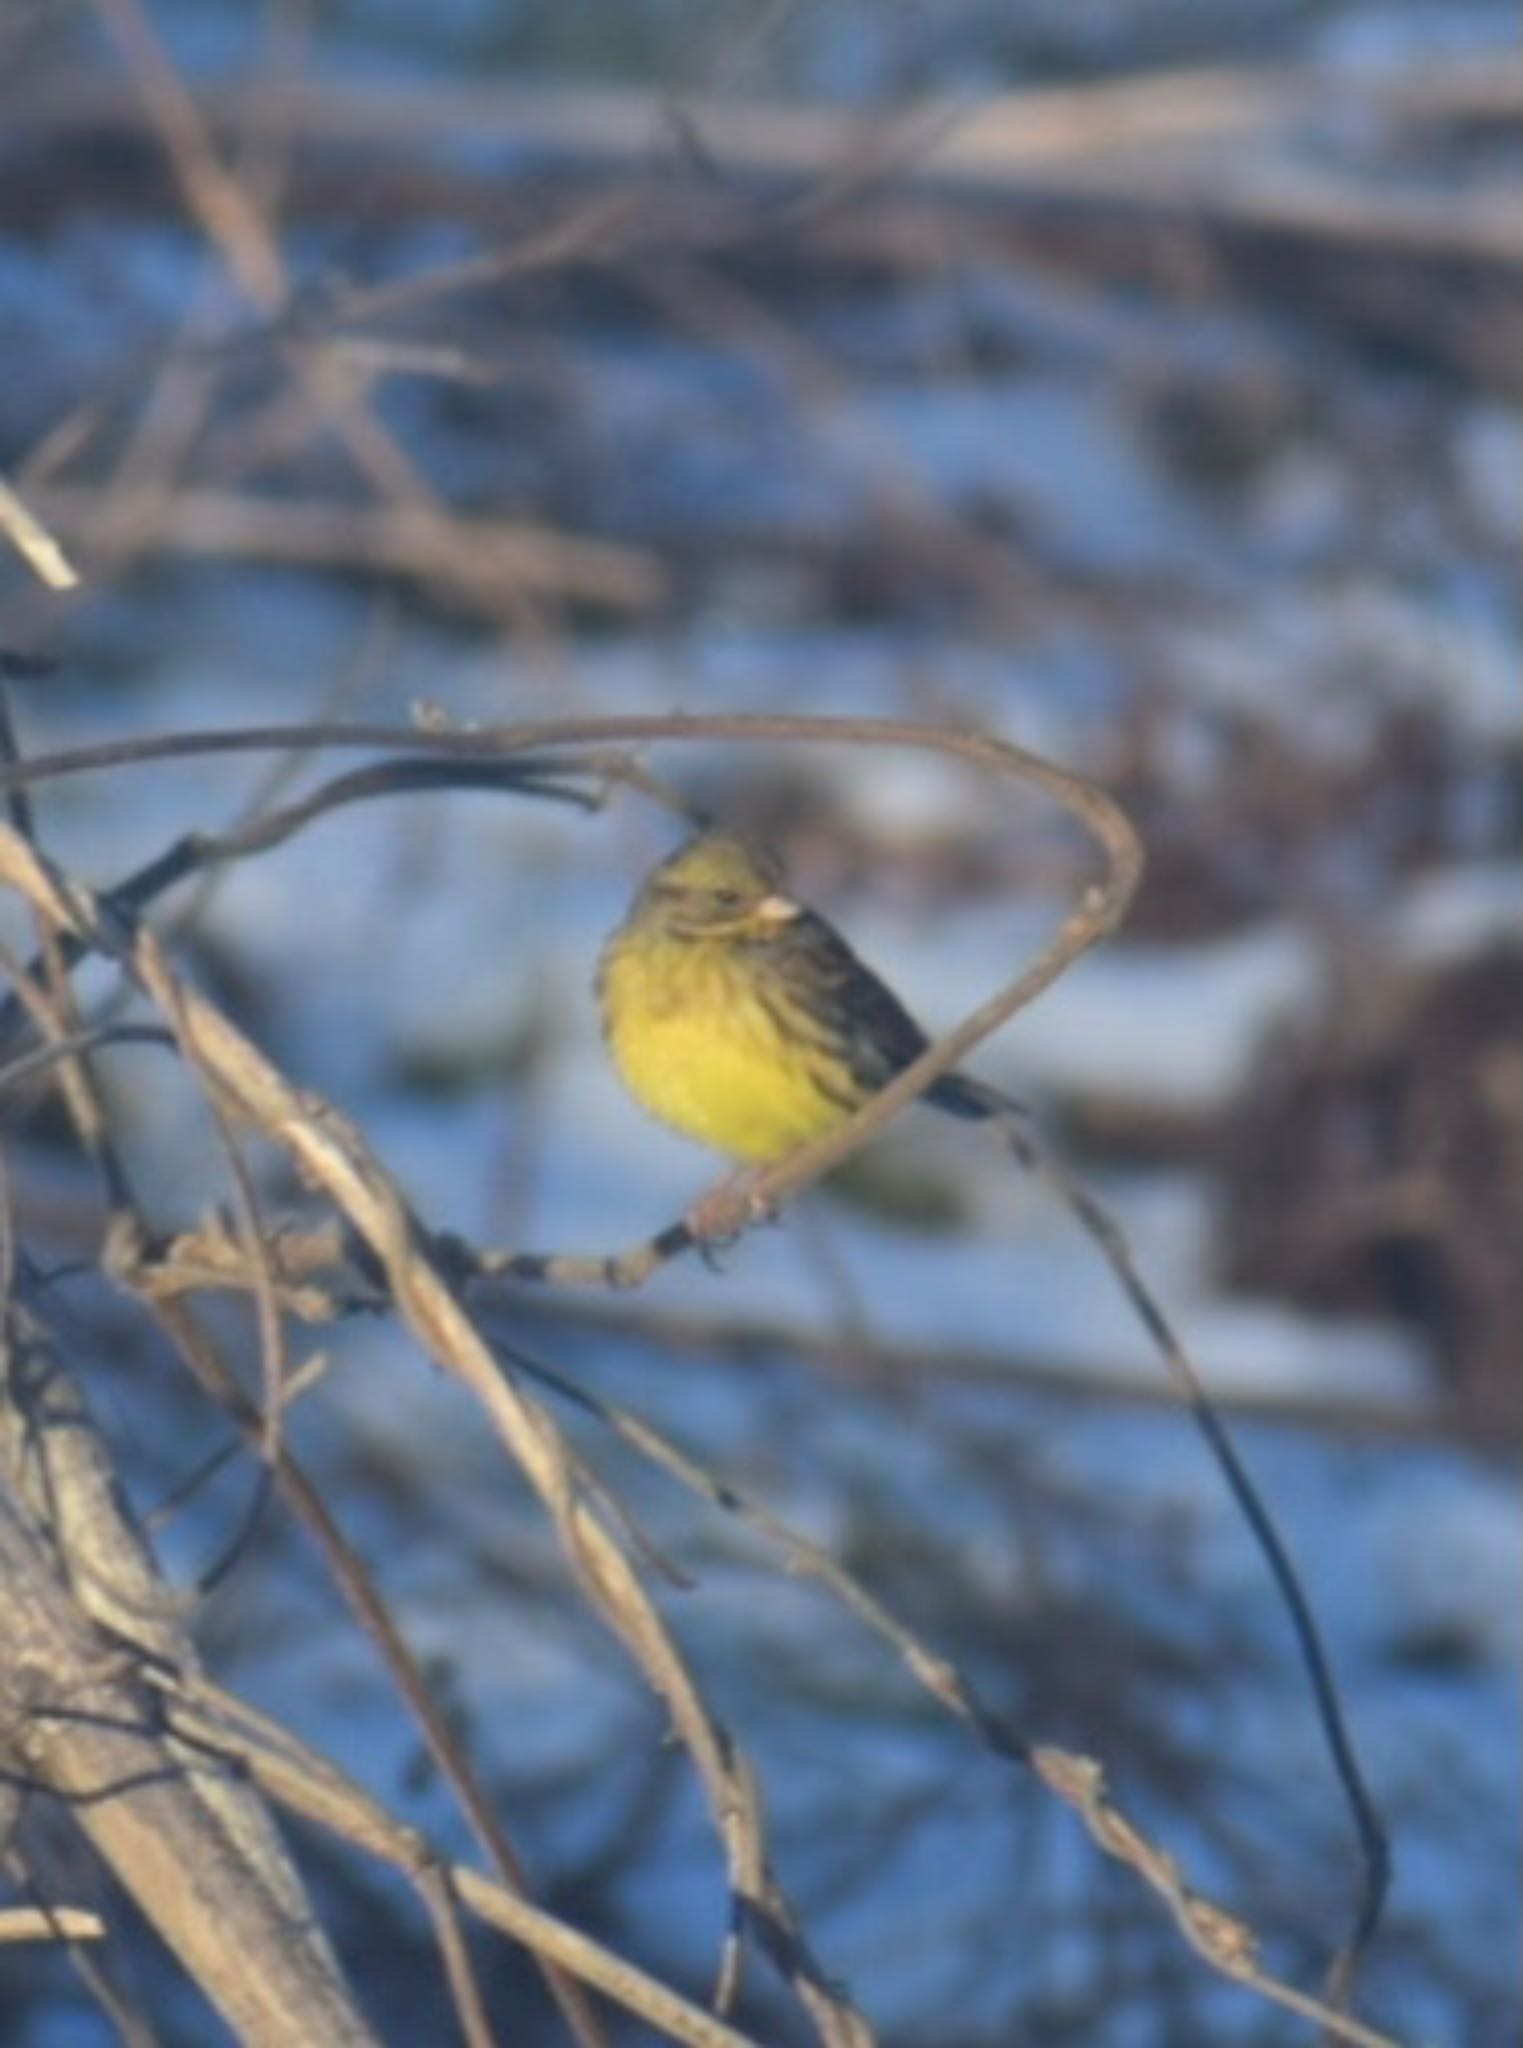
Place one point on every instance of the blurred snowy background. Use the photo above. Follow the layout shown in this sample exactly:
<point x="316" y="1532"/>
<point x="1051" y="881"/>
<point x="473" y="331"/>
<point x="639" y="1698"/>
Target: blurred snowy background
<point x="1165" y="421"/>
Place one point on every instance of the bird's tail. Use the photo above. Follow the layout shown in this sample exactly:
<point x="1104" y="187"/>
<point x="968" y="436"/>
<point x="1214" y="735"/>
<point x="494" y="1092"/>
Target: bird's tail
<point x="960" y="1095"/>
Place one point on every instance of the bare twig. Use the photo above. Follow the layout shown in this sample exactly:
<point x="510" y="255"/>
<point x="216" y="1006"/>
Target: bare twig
<point x="331" y="387"/>
<point x="334" y="1158"/>
<point x="32" y="541"/>
<point x="85" y="1613"/>
<point x="49" y="1923"/>
<point x="295" y="1776"/>
<point x="1220" y="1938"/>
<point x="389" y="1232"/>
<point x="1110" y="1239"/>
<point x="353" y="1579"/>
<point x="400" y="539"/>
<point x="1138" y="149"/>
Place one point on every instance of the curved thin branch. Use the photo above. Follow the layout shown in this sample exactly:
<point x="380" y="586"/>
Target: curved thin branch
<point x="331" y="1155"/>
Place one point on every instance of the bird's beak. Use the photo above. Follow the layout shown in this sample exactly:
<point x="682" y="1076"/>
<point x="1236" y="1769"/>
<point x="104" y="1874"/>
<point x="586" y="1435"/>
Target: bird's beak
<point x="777" y="909"/>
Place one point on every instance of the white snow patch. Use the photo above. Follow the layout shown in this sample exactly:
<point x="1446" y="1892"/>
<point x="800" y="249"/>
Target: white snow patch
<point x="1450" y="1553"/>
<point x="1454" y="913"/>
<point x="1179" y="1027"/>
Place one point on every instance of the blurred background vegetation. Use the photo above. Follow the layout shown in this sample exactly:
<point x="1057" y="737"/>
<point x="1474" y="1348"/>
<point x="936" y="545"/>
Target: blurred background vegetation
<point x="1136" y="379"/>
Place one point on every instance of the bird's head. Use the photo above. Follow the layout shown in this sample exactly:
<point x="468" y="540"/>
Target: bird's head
<point x="716" y="887"/>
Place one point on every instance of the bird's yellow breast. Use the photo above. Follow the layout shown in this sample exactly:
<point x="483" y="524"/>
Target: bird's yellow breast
<point x="696" y="1043"/>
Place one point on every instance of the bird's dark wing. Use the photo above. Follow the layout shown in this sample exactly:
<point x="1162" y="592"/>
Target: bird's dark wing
<point x="869" y="1028"/>
<point x="858" y="1018"/>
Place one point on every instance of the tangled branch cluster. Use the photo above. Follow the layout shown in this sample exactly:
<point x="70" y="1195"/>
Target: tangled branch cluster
<point x="108" y="1711"/>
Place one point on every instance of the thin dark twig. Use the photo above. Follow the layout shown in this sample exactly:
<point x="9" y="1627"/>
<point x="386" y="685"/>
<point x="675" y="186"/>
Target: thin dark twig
<point x="309" y="1784"/>
<point x="1104" y="1231"/>
<point x="357" y="1587"/>
<point x="804" y="1557"/>
<point x="18" y="802"/>
<point x="184" y="1490"/>
<point x="558" y="781"/>
<point x="258" y="1252"/>
<point x="27" y="1066"/>
<point x="630" y="1268"/>
<point x="1222" y="1940"/>
<point x="332" y="1155"/>
<point x="888" y="1361"/>
<point x="235" y="1549"/>
<point x="1098" y="912"/>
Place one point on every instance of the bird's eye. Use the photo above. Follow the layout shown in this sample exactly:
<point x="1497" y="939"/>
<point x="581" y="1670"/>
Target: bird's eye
<point x="727" y="899"/>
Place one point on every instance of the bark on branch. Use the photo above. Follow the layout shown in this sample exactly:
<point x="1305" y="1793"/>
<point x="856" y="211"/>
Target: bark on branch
<point x="85" y="1613"/>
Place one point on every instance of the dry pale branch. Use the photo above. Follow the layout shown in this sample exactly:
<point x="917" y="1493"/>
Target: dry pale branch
<point x="330" y="1155"/>
<point x="232" y="222"/>
<point x="477" y="555"/>
<point x="33" y="542"/>
<point x="211" y="1259"/>
<point x="1222" y="1940"/>
<point x="50" y="1012"/>
<point x="1099" y="911"/>
<point x="58" y="1923"/>
<point x="317" y="1285"/>
<point x="353" y="1580"/>
<point x="393" y="1239"/>
<point x="295" y="1777"/>
<point x="176" y="1315"/>
<point x="86" y="1614"/>
<point x="330" y="388"/>
<point x="1219" y="1939"/>
<point x="1147" y="148"/>
<point x="1065" y="128"/>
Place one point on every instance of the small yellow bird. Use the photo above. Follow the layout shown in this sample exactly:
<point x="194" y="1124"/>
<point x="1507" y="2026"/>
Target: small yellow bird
<point x="743" y="1019"/>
